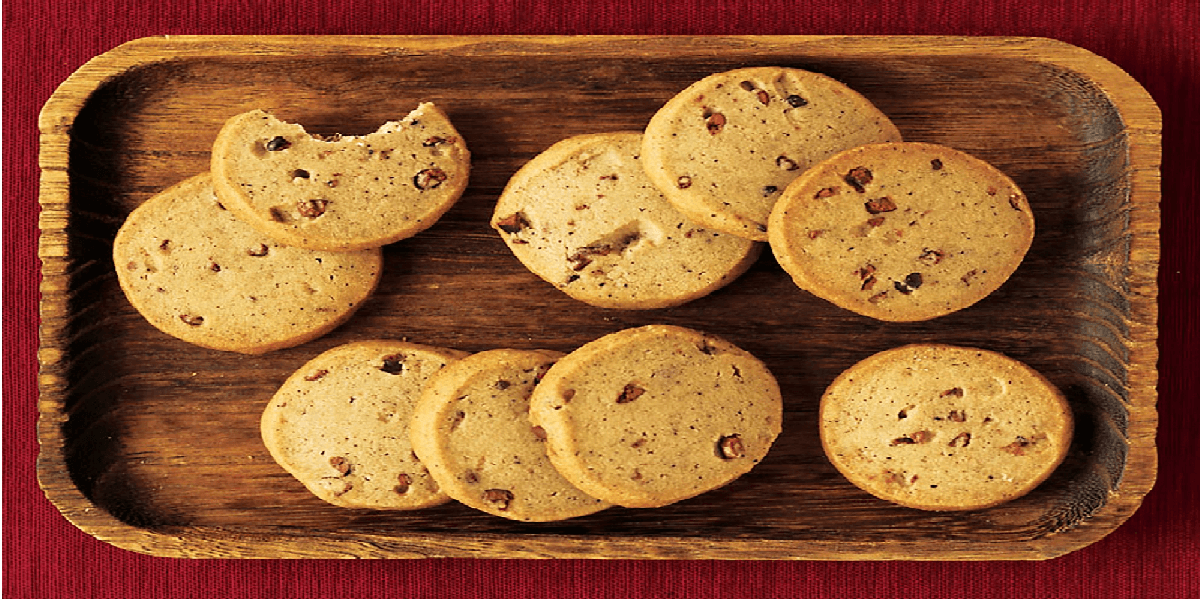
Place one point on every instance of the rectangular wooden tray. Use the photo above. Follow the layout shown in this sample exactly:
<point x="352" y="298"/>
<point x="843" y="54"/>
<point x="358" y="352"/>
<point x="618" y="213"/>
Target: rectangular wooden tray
<point x="152" y="445"/>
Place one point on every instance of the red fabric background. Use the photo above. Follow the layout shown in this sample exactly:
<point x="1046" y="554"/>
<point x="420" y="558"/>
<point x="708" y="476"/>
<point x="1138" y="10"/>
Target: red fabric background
<point x="1155" y="554"/>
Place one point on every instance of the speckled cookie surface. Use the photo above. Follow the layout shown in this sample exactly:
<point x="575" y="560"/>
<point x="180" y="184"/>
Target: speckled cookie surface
<point x="340" y="424"/>
<point x="903" y="231"/>
<point x="649" y="416"/>
<point x="342" y="192"/>
<point x="723" y="149"/>
<point x="200" y="275"/>
<point x="940" y="427"/>
<point x="471" y="428"/>
<point x="584" y="217"/>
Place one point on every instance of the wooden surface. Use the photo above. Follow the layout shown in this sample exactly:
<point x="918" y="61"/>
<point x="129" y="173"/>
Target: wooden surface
<point x="152" y="444"/>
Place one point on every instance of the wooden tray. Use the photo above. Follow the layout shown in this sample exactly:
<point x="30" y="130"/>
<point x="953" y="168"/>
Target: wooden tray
<point x="152" y="445"/>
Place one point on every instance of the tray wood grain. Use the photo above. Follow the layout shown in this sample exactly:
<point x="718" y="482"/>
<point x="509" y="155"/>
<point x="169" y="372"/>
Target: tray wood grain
<point x="152" y="445"/>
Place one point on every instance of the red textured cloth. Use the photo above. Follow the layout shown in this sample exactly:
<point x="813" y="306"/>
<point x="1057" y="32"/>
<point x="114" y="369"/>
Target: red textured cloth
<point x="1155" y="554"/>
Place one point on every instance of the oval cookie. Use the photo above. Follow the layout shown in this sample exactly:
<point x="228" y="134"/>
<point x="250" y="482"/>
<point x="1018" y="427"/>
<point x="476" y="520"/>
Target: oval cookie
<point x="471" y="428"/>
<point x="940" y="427"/>
<point x="653" y="415"/>
<point x="584" y="217"/>
<point x="342" y="192"/>
<point x="339" y="424"/>
<point x="723" y="149"/>
<point x="902" y="231"/>
<point x="197" y="273"/>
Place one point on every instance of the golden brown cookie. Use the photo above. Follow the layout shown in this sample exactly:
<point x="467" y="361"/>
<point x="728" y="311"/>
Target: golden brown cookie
<point x="902" y="231"/>
<point x="198" y="274"/>
<point x="939" y="427"/>
<point x="653" y="415"/>
<point x="471" y="428"/>
<point x="341" y="192"/>
<point x="339" y="424"/>
<point x="724" y="149"/>
<point x="584" y="217"/>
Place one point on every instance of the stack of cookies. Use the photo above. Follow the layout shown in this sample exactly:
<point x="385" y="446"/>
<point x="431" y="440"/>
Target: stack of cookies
<point x="280" y="242"/>
<point x="643" y="417"/>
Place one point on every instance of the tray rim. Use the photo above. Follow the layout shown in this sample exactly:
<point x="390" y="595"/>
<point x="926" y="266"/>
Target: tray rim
<point x="1142" y="121"/>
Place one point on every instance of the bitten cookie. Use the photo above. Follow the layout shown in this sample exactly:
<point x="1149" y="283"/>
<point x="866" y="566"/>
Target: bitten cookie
<point x="723" y="149"/>
<point x="902" y="231"/>
<point x="339" y="424"/>
<point x="940" y="427"/>
<point x="342" y="192"/>
<point x="584" y="217"/>
<point x="653" y="415"/>
<point x="471" y="429"/>
<point x="198" y="274"/>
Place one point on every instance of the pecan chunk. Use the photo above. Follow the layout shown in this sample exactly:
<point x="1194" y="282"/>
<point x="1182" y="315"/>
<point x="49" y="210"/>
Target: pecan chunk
<point x="961" y="440"/>
<point x="714" y="122"/>
<point x="785" y="163"/>
<point x="859" y="177"/>
<point x="1017" y="448"/>
<point x="427" y="179"/>
<point x="911" y="282"/>
<point x="340" y="464"/>
<point x="630" y="393"/>
<point x="312" y="209"/>
<point x="730" y="447"/>
<point x="500" y="498"/>
<point x="918" y="437"/>
<point x="393" y="364"/>
<point x="931" y="257"/>
<point x="403" y="482"/>
<point x="513" y="223"/>
<point x="277" y="143"/>
<point x="880" y="205"/>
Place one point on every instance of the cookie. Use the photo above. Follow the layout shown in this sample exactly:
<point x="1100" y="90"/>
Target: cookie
<point x="471" y="429"/>
<point x="649" y="416"/>
<point x="584" y="217"/>
<point x="902" y="231"/>
<point x="340" y="192"/>
<point x="197" y="273"/>
<point x="939" y="427"/>
<point x="339" y="424"/>
<point x="724" y="149"/>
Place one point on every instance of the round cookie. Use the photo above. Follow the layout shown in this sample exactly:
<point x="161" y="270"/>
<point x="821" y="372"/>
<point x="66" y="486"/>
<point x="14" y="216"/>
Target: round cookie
<point x="902" y="231"/>
<point x="652" y="415"/>
<point x="584" y="217"/>
<point x="339" y="424"/>
<point x="471" y="429"/>
<point x="197" y="273"/>
<point x="341" y="192"/>
<point x="723" y="149"/>
<point x="944" y="428"/>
